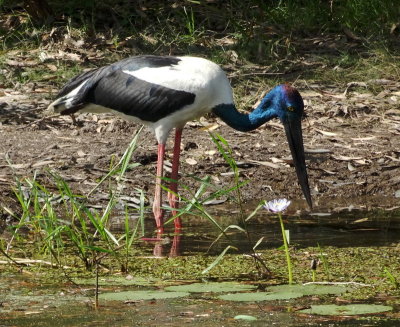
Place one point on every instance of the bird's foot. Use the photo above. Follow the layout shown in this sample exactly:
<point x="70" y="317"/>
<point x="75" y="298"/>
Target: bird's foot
<point x="158" y="238"/>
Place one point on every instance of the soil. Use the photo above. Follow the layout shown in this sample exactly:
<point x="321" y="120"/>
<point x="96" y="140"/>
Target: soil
<point x="351" y="136"/>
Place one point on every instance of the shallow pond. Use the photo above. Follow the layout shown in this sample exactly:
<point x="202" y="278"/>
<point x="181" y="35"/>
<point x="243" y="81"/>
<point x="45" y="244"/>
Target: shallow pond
<point x="341" y="226"/>
<point x="345" y="234"/>
<point x="27" y="303"/>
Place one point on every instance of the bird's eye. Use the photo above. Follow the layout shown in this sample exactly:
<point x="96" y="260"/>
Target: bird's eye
<point x="290" y="108"/>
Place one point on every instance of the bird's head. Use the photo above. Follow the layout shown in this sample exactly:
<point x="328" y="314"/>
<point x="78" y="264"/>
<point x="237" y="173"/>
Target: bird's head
<point x="287" y="104"/>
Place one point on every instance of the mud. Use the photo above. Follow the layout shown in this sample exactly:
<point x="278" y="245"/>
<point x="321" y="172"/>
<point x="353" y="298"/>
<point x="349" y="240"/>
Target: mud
<point x="351" y="139"/>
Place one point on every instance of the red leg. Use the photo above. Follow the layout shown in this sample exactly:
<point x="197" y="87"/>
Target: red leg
<point x="174" y="176"/>
<point x="158" y="213"/>
<point x="158" y="250"/>
<point x="176" y="246"/>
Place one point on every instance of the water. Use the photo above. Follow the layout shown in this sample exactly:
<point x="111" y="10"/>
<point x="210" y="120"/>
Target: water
<point x="25" y="302"/>
<point x="345" y="226"/>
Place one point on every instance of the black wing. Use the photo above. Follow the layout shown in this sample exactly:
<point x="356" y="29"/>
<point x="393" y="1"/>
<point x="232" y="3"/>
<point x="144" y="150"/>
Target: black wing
<point x="130" y="64"/>
<point x="110" y="87"/>
<point x="135" y="97"/>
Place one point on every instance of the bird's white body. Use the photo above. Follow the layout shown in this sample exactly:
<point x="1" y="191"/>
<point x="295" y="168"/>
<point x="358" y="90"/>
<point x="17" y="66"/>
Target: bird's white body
<point x="198" y="76"/>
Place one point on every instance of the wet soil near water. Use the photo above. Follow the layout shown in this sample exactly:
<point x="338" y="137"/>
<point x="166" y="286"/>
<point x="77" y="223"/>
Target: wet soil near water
<point x="351" y="141"/>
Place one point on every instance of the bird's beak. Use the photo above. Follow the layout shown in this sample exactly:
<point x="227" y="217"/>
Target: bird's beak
<point x="295" y="139"/>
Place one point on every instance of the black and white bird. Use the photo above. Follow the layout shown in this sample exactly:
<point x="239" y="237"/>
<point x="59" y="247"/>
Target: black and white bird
<point x="165" y="92"/>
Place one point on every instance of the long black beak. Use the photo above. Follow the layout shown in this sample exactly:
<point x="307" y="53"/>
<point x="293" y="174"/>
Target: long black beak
<point x="295" y="139"/>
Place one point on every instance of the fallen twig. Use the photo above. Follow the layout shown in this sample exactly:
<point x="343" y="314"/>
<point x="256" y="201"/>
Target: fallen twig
<point x="10" y="258"/>
<point x="38" y="121"/>
<point x="20" y="261"/>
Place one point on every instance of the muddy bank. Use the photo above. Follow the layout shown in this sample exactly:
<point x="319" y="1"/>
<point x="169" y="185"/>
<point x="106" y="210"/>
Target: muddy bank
<point x="351" y="139"/>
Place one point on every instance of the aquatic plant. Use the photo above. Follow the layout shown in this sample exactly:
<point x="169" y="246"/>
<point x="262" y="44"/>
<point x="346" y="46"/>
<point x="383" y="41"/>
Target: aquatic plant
<point x="278" y="206"/>
<point x="346" y="310"/>
<point x="234" y="193"/>
<point x="194" y="203"/>
<point x="322" y="259"/>
<point x="393" y="280"/>
<point x="313" y="267"/>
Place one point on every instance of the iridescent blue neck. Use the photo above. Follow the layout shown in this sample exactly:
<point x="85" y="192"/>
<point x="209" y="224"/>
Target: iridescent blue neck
<point x="265" y="111"/>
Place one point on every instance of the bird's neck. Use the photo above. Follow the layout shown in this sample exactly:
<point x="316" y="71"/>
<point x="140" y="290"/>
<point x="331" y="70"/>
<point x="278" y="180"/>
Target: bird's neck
<point x="243" y="122"/>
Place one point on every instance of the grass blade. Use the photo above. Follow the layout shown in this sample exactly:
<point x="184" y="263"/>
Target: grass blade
<point x="218" y="259"/>
<point x="123" y="162"/>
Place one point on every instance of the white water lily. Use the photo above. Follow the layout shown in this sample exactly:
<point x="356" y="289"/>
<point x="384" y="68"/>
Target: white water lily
<point x="277" y="205"/>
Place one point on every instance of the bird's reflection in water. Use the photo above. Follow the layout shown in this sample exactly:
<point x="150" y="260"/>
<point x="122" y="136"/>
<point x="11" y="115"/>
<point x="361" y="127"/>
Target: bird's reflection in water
<point x="174" y="245"/>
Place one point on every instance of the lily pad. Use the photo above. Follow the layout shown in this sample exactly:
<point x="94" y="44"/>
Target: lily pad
<point x="346" y="310"/>
<point x="310" y="289"/>
<point x="285" y="292"/>
<point x="260" y="296"/>
<point x="141" y="295"/>
<point x="245" y="317"/>
<point x="211" y="287"/>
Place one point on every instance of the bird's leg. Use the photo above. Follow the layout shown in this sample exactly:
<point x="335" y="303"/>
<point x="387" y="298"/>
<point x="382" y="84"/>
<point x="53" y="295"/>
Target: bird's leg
<point x="158" y="213"/>
<point x="176" y="246"/>
<point x="174" y="177"/>
<point x="74" y="122"/>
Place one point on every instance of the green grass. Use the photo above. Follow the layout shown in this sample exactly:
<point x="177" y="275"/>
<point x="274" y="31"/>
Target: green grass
<point x="59" y="221"/>
<point x="278" y="37"/>
<point x="53" y="230"/>
<point x="251" y="22"/>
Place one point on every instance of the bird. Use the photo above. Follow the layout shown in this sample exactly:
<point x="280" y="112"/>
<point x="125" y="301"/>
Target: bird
<point x="164" y="93"/>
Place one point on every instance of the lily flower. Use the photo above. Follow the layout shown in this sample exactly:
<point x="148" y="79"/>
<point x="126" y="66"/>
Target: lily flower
<point x="278" y="205"/>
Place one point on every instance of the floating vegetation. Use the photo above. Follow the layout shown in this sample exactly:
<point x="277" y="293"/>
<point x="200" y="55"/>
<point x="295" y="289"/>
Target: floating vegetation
<point x="260" y="296"/>
<point x="346" y="310"/>
<point x="245" y="317"/>
<point x="141" y="295"/>
<point x="310" y="289"/>
<point x="285" y="292"/>
<point x="212" y="287"/>
<point x="117" y="281"/>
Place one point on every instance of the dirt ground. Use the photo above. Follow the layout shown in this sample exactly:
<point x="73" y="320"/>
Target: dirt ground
<point x="351" y="138"/>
